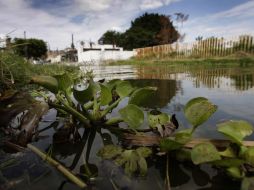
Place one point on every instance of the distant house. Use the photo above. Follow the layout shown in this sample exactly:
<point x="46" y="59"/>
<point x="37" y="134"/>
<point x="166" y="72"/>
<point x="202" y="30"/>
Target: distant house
<point x="5" y="41"/>
<point x="66" y="55"/>
<point x="95" y="53"/>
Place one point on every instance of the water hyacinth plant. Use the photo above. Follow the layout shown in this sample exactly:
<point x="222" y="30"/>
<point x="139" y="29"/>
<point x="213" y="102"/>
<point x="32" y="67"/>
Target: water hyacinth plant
<point x="90" y="103"/>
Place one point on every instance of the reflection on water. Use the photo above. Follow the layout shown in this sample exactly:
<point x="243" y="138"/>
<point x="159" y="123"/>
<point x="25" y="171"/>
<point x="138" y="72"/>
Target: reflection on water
<point x="231" y="88"/>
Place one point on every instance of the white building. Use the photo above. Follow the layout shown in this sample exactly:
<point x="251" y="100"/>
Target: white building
<point x="2" y="41"/>
<point x="96" y="53"/>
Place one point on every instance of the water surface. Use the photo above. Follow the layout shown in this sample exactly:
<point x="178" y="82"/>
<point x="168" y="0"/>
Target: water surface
<point x="229" y="87"/>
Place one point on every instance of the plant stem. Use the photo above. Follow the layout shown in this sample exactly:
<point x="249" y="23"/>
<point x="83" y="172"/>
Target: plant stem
<point x="75" y="113"/>
<point x="61" y="168"/>
<point x="110" y="107"/>
<point x="114" y="121"/>
<point x="88" y="105"/>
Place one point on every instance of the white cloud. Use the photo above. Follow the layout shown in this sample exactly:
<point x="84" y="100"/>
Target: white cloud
<point x="150" y="4"/>
<point x="229" y="23"/>
<point x="55" y="25"/>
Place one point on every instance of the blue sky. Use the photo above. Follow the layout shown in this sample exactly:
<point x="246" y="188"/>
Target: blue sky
<point x="55" y="20"/>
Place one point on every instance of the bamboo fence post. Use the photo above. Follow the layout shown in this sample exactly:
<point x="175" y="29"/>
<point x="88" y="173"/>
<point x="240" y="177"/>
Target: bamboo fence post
<point x="248" y="44"/>
<point x="252" y="45"/>
<point x="60" y="167"/>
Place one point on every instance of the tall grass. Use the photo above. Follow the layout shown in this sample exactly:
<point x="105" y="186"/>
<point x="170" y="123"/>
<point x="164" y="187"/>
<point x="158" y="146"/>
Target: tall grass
<point x="15" y="71"/>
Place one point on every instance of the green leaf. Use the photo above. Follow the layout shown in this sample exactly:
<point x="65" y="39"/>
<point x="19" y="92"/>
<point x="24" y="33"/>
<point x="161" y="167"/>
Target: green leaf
<point x="109" y="151"/>
<point x="47" y="82"/>
<point x="228" y="162"/>
<point x="156" y="118"/>
<point x="167" y="144"/>
<point x="198" y="110"/>
<point x="144" y="151"/>
<point x="203" y="153"/>
<point x="131" y="158"/>
<point x="183" y="136"/>
<point x="142" y="97"/>
<point x="142" y="166"/>
<point x="236" y="130"/>
<point x="229" y="152"/>
<point x="130" y="167"/>
<point x="249" y="155"/>
<point x="235" y="172"/>
<point x="86" y="95"/>
<point x="124" y="88"/>
<point x="106" y="96"/>
<point x="112" y="83"/>
<point x="132" y="115"/>
<point x="64" y="82"/>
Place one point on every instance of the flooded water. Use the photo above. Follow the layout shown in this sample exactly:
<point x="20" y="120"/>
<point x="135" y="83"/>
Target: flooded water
<point x="229" y="87"/>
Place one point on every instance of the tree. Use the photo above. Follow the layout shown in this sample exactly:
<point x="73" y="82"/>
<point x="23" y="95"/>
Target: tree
<point x="111" y="37"/>
<point x="149" y="30"/>
<point x="146" y="30"/>
<point x="167" y="33"/>
<point x="30" y="48"/>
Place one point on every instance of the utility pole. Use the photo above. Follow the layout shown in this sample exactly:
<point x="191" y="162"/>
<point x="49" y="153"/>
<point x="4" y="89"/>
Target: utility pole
<point x="72" y="44"/>
<point x="26" y="54"/>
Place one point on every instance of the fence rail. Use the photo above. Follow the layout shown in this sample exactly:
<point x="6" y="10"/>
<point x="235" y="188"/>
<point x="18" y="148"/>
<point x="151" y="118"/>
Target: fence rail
<point x="211" y="47"/>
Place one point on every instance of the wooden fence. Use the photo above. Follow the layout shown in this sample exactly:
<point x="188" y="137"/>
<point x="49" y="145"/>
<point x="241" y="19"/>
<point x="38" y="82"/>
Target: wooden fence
<point x="211" y="47"/>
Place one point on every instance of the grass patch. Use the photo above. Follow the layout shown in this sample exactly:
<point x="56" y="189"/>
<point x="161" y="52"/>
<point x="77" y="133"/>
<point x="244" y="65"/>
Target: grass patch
<point x="15" y="71"/>
<point x="229" y="60"/>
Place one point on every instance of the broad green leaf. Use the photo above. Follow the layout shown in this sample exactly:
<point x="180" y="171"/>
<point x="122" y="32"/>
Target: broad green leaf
<point x="131" y="158"/>
<point x="235" y="172"/>
<point x="106" y="96"/>
<point x="132" y="115"/>
<point x="47" y="82"/>
<point x="142" y="97"/>
<point x="144" y="151"/>
<point x="156" y="118"/>
<point x="228" y="162"/>
<point x="198" y="110"/>
<point x="247" y="183"/>
<point x="130" y="166"/>
<point x="183" y="136"/>
<point x="203" y="153"/>
<point x="142" y="166"/>
<point x="242" y="151"/>
<point x="124" y="89"/>
<point x="112" y="83"/>
<point x="167" y="145"/>
<point x="86" y="95"/>
<point x="236" y="130"/>
<point x="229" y="152"/>
<point x="64" y="82"/>
<point x="249" y="155"/>
<point x="109" y="151"/>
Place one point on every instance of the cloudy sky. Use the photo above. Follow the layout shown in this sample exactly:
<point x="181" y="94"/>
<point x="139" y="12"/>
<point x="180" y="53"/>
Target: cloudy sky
<point x="55" y="20"/>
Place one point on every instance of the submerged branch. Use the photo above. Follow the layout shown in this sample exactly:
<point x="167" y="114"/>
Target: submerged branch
<point x="61" y="168"/>
<point x="167" y="181"/>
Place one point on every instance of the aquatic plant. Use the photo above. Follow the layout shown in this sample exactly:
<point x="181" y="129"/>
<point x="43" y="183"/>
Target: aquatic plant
<point x="91" y="104"/>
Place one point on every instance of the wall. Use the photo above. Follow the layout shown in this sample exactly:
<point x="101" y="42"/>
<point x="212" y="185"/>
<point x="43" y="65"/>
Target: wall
<point x="55" y="59"/>
<point x="98" y="56"/>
